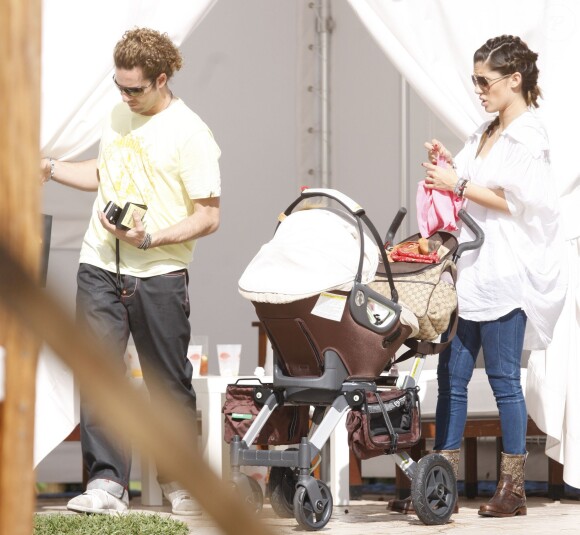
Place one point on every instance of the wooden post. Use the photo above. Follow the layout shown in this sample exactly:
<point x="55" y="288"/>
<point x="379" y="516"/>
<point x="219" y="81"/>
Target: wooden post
<point x="470" y="452"/>
<point x="161" y="435"/>
<point x="20" y="234"/>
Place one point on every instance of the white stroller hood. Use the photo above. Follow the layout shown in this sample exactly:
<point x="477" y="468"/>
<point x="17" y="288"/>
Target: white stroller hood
<point x="311" y="252"/>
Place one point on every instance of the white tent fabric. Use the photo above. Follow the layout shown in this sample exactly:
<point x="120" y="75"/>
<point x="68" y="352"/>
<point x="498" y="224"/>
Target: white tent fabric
<point x="57" y="405"/>
<point x="552" y="381"/>
<point x="77" y="90"/>
<point x="432" y="42"/>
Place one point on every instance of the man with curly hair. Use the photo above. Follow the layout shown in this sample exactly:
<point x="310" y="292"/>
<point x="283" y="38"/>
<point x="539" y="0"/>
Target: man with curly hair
<point x="158" y="159"/>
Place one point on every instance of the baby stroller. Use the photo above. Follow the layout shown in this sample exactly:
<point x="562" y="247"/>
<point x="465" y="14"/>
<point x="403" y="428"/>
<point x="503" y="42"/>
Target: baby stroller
<point x="333" y="351"/>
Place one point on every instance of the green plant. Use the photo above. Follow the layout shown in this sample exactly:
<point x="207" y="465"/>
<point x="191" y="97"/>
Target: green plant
<point x="126" y="524"/>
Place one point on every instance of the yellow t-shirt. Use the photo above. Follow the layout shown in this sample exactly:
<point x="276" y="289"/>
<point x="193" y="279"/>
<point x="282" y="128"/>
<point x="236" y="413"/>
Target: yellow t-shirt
<point x="163" y="161"/>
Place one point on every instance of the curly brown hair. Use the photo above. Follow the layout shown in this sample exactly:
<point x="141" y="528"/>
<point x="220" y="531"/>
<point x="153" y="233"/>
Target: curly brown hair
<point x="507" y="54"/>
<point x="150" y="50"/>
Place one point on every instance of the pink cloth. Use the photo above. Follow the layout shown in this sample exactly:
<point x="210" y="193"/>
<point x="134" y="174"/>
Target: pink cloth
<point x="436" y="210"/>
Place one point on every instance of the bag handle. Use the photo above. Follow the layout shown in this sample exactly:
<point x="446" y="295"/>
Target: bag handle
<point x="248" y="379"/>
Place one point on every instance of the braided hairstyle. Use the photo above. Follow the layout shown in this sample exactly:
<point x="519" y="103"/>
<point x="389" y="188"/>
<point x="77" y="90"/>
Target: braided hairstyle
<point x="507" y="54"/>
<point x="149" y="49"/>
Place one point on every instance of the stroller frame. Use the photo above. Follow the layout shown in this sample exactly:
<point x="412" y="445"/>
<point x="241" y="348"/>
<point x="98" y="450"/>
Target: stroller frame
<point x="333" y="393"/>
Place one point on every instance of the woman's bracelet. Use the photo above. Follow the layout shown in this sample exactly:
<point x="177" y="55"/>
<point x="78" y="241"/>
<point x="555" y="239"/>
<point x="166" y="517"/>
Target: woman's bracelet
<point x="460" y="187"/>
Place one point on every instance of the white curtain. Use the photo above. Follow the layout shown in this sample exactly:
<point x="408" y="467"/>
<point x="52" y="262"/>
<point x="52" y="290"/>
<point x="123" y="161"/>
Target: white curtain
<point x="553" y="396"/>
<point x="77" y="61"/>
<point x="77" y="90"/>
<point x="431" y="42"/>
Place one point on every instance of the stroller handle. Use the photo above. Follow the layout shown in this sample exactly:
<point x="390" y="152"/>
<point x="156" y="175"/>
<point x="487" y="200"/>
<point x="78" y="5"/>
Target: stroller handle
<point x="398" y="219"/>
<point x="343" y="199"/>
<point x="476" y="229"/>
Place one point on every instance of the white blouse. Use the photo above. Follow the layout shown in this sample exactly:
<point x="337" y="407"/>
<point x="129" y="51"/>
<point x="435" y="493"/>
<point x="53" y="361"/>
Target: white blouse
<point x="520" y="264"/>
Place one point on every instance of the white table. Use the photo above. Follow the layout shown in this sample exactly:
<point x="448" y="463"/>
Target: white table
<point x="210" y="390"/>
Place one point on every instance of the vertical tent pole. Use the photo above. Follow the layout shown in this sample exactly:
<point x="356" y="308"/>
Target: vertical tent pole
<point x="20" y="224"/>
<point x="325" y="28"/>
<point x="404" y="180"/>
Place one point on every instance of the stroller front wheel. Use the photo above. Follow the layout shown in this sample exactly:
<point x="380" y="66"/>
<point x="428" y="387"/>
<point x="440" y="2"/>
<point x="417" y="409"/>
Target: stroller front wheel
<point x="307" y="514"/>
<point x="434" y="489"/>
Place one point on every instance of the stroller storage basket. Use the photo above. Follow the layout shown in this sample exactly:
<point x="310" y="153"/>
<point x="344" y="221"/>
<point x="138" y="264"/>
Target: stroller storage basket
<point x="387" y="421"/>
<point x="288" y="424"/>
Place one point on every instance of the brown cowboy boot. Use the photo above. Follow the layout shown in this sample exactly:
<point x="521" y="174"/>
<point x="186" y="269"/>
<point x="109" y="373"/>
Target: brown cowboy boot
<point x="405" y="505"/>
<point x="510" y="496"/>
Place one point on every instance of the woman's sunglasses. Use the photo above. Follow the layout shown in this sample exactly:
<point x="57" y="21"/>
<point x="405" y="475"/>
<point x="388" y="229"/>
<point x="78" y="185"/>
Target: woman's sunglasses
<point x="485" y="83"/>
<point x="132" y="91"/>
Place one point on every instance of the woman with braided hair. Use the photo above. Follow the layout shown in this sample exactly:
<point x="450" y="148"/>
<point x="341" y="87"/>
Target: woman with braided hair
<point x="513" y="284"/>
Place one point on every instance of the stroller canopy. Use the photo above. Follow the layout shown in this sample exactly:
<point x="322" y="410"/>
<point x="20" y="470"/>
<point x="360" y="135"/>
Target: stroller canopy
<point x="312" y="251"/>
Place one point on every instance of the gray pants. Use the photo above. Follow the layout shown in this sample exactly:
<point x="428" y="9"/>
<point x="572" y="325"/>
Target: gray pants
<point x="155" y="310"/>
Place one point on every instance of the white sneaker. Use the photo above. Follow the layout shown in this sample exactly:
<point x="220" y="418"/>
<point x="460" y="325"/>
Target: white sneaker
<point x="181" y="500"/>
<point x="97" y="501"/>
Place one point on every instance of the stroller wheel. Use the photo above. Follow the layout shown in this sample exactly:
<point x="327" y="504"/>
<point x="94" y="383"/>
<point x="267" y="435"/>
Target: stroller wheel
<point x="307" y="514"/>
<point x="434" y="489"/>
<point x="282" y="487"/>
<point x="252" y="493"/>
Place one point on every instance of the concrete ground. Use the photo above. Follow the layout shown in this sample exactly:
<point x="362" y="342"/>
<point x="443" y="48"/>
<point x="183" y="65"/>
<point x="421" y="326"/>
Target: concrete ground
<point x="370" y="517"/>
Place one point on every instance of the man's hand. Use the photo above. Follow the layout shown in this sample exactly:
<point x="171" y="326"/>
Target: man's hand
<point x="44" y="170"/>
<point x="134" y="236"/>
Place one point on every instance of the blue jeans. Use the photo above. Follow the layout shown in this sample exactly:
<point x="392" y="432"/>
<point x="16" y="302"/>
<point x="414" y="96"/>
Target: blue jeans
<point x="155" y="310"/>
<point x="502" y="343"/>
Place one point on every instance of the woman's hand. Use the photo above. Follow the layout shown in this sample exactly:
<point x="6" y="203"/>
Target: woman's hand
<point x="439" y="177"/>
<point x="436" y="150"/>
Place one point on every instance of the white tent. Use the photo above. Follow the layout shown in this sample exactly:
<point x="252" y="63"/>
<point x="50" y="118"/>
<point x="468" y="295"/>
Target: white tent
<point x="252" y="73"/>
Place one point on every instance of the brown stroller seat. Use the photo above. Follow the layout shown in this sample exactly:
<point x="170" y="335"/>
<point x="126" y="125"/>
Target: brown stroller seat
<point x="300" y="353"/>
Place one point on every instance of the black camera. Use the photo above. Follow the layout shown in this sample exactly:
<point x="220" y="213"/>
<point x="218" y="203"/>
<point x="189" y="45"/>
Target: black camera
<point x="123" y="219"/>
<point x="112" y="212"/>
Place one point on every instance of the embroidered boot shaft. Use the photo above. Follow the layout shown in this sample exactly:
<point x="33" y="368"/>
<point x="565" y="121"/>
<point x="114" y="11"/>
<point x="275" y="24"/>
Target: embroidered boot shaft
<point x="453" y="457"/>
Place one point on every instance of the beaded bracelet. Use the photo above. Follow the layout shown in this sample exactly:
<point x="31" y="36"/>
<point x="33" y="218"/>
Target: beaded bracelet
<point x="460" y="187"/>
<point x="146" y="242"/>
<point x="51" y="162"/>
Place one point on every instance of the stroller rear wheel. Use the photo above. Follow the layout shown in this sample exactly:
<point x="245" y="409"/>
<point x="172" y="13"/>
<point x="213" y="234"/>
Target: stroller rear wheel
<point x="251" y="493"/>
<point x="282" y="487"/>
<point x="311" y="516"/>
<point x="434" y="489"/>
